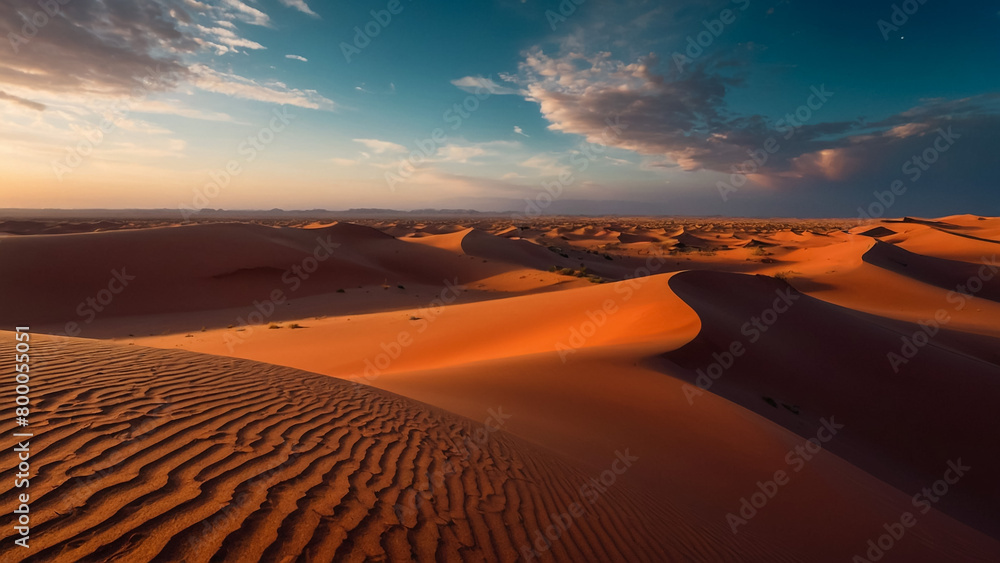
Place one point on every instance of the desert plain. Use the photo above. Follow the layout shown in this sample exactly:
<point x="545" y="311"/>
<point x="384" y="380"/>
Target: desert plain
<point x="482" y="389"/>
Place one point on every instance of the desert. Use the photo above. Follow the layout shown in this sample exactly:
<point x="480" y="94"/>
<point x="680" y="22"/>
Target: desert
<point x="692" y="281"/>
<point x="562" y="389"/>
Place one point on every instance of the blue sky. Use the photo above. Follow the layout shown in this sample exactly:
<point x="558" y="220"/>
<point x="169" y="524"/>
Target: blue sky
<point x="382" y="130"/>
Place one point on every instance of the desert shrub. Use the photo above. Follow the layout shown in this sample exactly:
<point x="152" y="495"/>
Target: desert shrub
<point x="784" y="275"/>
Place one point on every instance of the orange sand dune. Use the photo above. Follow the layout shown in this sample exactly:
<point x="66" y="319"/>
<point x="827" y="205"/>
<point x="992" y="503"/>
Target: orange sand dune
<point x="641" y="311"/>
<point x="952" y="245"/>
<point x="479" y="244"/>
<point x="456" y="318"/>
<point x="982" y="279"/>
<point x="913" y="414"/>
<point x="164" y="455"/>
<point x="694" y="449"/>
<point x="219" y="266"/>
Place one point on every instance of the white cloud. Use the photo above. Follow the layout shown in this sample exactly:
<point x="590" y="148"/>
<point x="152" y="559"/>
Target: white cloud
<point x="273" y="92"/>
<point x="459" y="154"/>
<point x="176" y="107"/>
<point x="225" y="40"/>
<point x="301" y="6"/>
<point x="479" y="84"/>
<point x="520" y="131"/>
<point x="546" y="165"/>
<point x="246" y="13"/>
<point x="379" y="147"/>
<point x="297" y="58"/>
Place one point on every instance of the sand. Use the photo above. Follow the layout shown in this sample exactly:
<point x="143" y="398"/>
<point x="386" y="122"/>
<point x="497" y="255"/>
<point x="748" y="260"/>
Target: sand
<point x="306" y="426"/>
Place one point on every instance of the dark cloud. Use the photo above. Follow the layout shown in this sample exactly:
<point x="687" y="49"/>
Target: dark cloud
<point x="685" y="118"/>
<point x="124" y="47"/>
<point x="90" y="46"/>
<point x="21" y="101"/>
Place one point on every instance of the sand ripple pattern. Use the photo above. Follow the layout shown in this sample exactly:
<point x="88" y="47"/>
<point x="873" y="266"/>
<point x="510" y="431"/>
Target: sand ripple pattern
<point x="154" y="455"/>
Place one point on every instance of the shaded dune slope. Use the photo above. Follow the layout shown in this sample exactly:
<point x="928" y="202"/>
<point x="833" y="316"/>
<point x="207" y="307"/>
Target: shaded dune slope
<point x="943" y="273"/>
<point x="824" y="360"/>
<point x="213" y="266"/>
<point x="152" y="455"/>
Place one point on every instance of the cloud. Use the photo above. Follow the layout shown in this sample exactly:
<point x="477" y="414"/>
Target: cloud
<point x="457" y="153"/>
<point x="297" y="58"/>
<point x="248" y="89"/>
<point x="224" y="40"/>
<point x="546" y="165"/>
<point x="379" y="147"/>
<point x="71" y="53"/>
<point x="686" y="122"/>
<point x="21" y="101"/>
<point x="301" y="6"/>
<point x="682" y="118"/>
<point x="176" y="107"/>
<point x="478" y="84"/>
<point x="151" y="44"/>
<point x="247" y="13"/>
<point x="519" y="131"/>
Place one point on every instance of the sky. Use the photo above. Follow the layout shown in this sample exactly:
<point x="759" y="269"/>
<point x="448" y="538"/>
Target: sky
<point x="701" y="107"/>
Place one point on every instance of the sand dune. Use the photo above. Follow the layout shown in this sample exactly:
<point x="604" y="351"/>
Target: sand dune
<point x="160" y="455"/>
<point x="594" y="336"/>
<point x="199" y="268"/>
<point x="962" y="277"/>
<point x="934" y="395"/>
